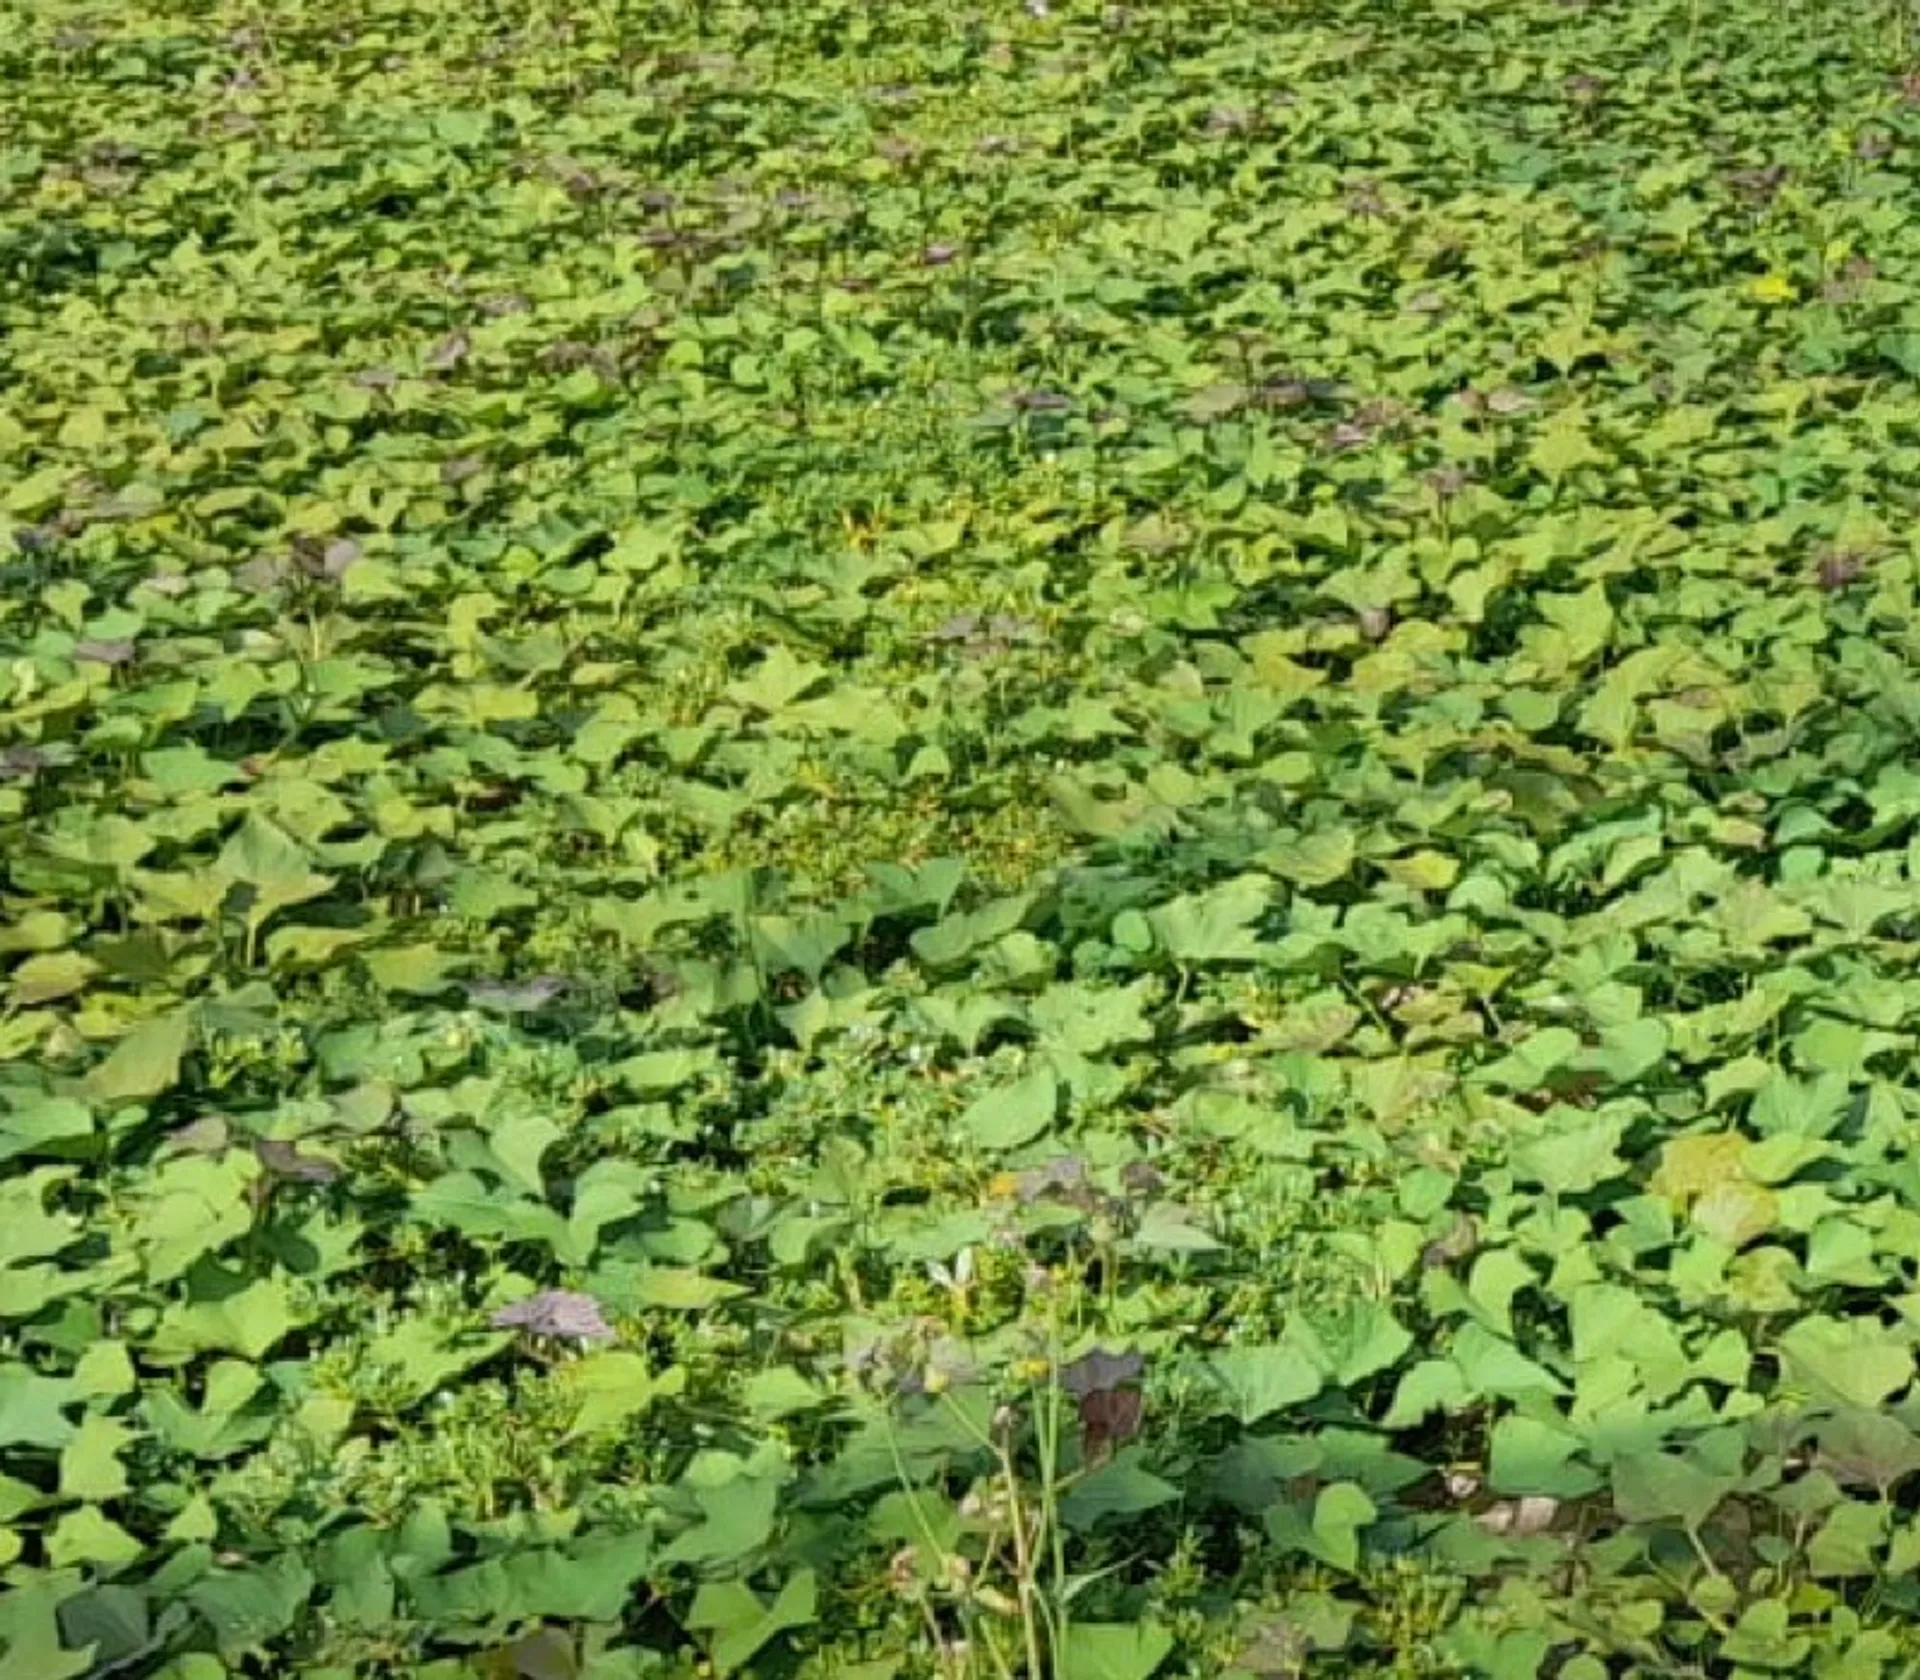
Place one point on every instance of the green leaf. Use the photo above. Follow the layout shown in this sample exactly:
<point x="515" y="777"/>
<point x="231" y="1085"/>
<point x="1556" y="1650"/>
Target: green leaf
<point x="190" y="1207"/>
<point x="1532" y="1062"/>
<point x="1491" y="1365"/>
<point x="1650" y="1487"/>
<point x="422" y="969"/>
<point x="680" y="1289"/>
<point x="111" y="1619"/>
<point x="1734" y="1213"/>
<point x="88" y="1535"/>
<point x="1498" y="1275"/>
<point x="1259" y="1381"/>
<point x="1113" y="1650"/>
<point x="46" y="978"/>
<point x="1359" y="1341"/>
<point x="1011" y="1115"/>
<point x="1216" y="926"/>
<point x="144" y="1063"/>
<point x="778" y="681"/>
<point x="1690" y="1166"/>
<point x="31" y="1408"/>
<point x="271" y="862"/>
<point x="1315" y="860"/>
<point x="1089" y="1020"/>
<point x="1852" y="1361"/>
<point x="741" y="1623"/>
<point x="246" y="1608"/>
<point x="420" y="1355"/>
<point x="1331" y="1532"/>
<point x="90" y="1467"/>
<point x="1120" y="1488"/>
<point x="611" y="1387"/>
<point x="1574" y="1157"/>
<point x="1862" y="1446"/>
<point x="1762" y="1638"/>
<point x="1433" y="1385"/>
<point x="104" y="1371"/>
<point x="1166" y="1227"/>
<point x="1340" y="1511"/>
<point x="31" y="1125"/>
<point x="1562" y="446"/>
<point x="248" y="1322"/>
<point x="518" y="1143"/>
<point x="31" y="1634"/>
<point x="1531" y="1459"/>
<point x="1849" y="1541"/>
<point x="736" y="1519"/>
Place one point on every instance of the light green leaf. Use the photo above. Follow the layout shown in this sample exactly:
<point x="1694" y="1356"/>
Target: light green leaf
<point x="31" y="1407"/>
<point x="90" y="1467"/>
<point x="1853" y="1361"/>
<point x="144" y="1063"/>
<point x="1215" y="926"/>
<point x="1014" y="1114"/>
<point x="1528" y="1065"/>
<point x="1113" y="1650"/>
<point x="1259" y="1381"/>
<point x="1314" y="860"/>
<point x="1166" y="1226"/>
<point x="1492" y="1365"/>
<point x="611" y="1387"/>
<point x="1433" y="1385"/>
<point x="87" y="1535"/>
<point x="1572" y="1156"/>
<point x="517" y="1143"/>
<point x="680" y="1289"/>
<point x="248" y="1322"/>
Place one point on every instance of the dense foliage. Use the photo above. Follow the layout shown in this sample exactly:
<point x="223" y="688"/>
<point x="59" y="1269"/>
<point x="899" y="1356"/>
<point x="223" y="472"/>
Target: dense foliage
<point x="909" y="839"/>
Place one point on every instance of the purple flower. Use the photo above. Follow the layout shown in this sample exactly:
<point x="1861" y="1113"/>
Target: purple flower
<point x="564" y="1313"/>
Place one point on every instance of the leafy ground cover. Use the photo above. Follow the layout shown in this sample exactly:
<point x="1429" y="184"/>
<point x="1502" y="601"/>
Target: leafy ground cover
<point x="848" y="840"/>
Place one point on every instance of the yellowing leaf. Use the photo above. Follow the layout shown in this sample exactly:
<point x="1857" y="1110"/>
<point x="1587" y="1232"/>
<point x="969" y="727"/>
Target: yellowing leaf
<point x="1423" y="871"/>
<point x="1734" y="1212"/>
<point x="51" y="975"/>
<point x="1691" y="1166"/>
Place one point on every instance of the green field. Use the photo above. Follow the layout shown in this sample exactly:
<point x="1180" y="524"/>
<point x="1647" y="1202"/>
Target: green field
<point x="917" y="841"/>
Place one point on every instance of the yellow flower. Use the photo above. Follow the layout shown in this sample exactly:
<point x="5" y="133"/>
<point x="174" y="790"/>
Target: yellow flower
<point x="1772" y="288"/>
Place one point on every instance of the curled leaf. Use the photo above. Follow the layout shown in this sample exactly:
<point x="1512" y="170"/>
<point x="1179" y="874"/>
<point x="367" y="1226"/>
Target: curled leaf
<point x="564" y="1314"/>
<point x="521" y="997"/>
<point x="284" y="1160"/>
<point x="1108" y="1417"/>
<point x="1100" y="1372"/>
